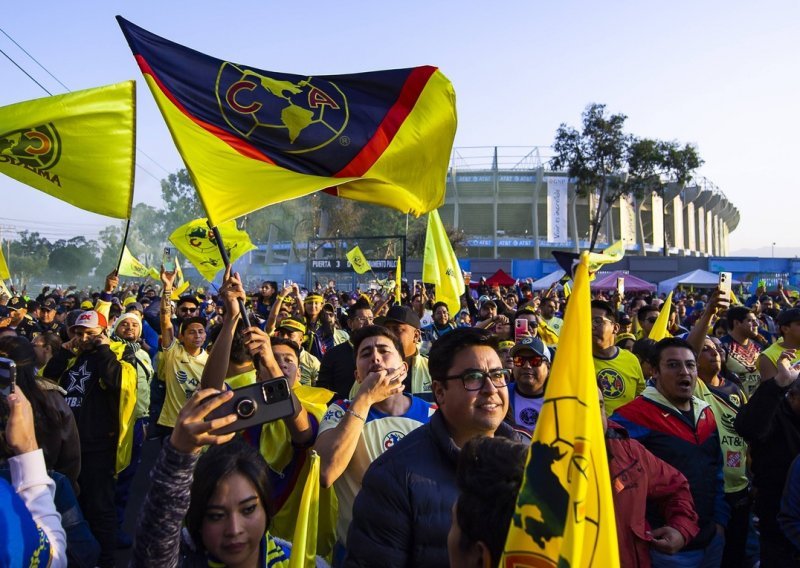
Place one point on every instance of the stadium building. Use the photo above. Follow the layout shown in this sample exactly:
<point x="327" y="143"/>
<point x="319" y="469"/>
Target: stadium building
<point x="510" y="207"/>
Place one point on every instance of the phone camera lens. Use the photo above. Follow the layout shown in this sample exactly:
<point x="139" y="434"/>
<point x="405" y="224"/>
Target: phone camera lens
<point x="245" y="408"/>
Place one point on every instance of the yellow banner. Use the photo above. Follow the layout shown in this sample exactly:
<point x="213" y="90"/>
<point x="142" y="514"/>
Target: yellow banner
<point x="130" y="265"/>
<point x="564" y="513"/>
<point x="659" y="330"/>
<point x="440" y="265"/>
<point x="197" y="243"/>
<point x="398" y="282"/>
<point x="4" y="273"/>
<point x="304" y="542"/>
<point x="358" y="261"/>
<point x="77" y="147"/>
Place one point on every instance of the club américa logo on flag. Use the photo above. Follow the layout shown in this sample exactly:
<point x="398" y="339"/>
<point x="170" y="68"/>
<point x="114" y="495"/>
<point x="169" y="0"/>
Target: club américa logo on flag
<point x="294" y="117"/>
<point x="37" y="149"/>
<point x="201" y="239"/>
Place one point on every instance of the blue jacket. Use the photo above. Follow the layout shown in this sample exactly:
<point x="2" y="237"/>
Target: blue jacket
<point x="402" y="514"/>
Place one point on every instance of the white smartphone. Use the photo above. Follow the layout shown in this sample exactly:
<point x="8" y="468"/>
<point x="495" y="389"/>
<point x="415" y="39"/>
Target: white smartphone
<point x="725" y="282"/>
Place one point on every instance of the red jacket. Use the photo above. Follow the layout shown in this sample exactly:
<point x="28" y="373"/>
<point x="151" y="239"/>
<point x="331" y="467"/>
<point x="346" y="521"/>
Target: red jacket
<point x="636" y="477"/>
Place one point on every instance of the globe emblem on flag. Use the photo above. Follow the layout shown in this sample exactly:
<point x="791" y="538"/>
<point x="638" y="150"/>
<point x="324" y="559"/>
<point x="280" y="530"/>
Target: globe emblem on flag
<point x="38" y="147"/>
<point x="201" y="239"/>
<point x="292" y="116"/>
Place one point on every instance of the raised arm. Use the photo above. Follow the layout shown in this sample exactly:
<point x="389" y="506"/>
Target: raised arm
<point x="216" y="367"/>
<point x="165" y="314"/>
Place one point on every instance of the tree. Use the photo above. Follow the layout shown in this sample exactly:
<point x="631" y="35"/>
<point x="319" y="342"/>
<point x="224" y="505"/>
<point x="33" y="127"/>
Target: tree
<point x="73" y="260"/>
<point x="28" y="256"/>
<point x="592" y="157"/>
<point x="181" y="202"/>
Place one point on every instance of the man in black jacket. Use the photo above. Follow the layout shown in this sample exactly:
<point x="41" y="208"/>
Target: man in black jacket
<point x="337" y="371"/>
<point x="770" y="423"/>
<point x="402" y="514"/>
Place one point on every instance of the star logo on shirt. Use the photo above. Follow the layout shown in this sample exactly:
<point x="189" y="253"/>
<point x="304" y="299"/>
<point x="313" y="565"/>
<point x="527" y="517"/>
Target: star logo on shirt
<point x="78" y="378"/>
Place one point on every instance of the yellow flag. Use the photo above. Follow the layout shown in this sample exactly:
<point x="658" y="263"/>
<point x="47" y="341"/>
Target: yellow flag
<point x="659" y="329"/>
<point x="130" y="266"/>
<point x="77" y="147"/>
<point x="154" y="273"/>
<point x="440" y="265"/>
<point x="611" y="254"/>
<point x="564" y="513"/>
<point x="358" y="261"/>
<point x="304" y="542"/>
<point x="177" y="292"/>
<point x="398" y="281"/>
<point x="4" y="273"/>
<point x="178" y="272"/>
<point x="197" y="243"/>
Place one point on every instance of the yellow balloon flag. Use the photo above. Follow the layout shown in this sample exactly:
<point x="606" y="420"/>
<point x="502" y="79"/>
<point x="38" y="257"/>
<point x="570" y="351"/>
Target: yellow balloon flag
<point x="197" y="243"/>
<point x="659" y="329"/>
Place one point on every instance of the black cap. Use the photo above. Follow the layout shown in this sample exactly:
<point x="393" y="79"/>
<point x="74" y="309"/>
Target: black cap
<point x="401" y="314"/>
<point x="15" y="303"/>
<point x="788" y="316"/>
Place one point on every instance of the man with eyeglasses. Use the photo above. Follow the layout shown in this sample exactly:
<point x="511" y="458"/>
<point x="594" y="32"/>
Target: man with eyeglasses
<point x="403" y="512"/>
<point x="744" y="347"/>
<point x="619" y="374"/>
<point x="680" y="429"/>
<point x="531" y="360"/>
<point x="338" y="366"/>
<point x="353" y="433"/>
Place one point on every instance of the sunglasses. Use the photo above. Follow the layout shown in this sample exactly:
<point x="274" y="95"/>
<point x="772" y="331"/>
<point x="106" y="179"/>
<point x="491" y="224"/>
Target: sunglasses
<point x="534" y="360"/>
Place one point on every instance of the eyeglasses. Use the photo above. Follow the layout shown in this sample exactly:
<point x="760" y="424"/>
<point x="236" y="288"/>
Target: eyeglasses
<point x="187" y="310"/>
<point x="534" y="360"/>
<point x="600" y="321"/>
<point x="474" y="380"/>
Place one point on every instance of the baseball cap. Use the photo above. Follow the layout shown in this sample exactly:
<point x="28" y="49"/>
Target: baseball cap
<point x="91" y="318"/>
<point x="131" y="306"/>
<point x="15" y="303"/>
<point x="505" y="345"/>
<point x="49" y="304"/>
<point x="529" y="343"/>
<point x="293" y="324"/>
<point x="400" y="314"/>
<point x="86" y="305"/>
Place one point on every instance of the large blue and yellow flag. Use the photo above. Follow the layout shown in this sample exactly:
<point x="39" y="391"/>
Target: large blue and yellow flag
<point x="251" y="138"/>
<point x="565" y="513"/>
<point x="197" y="243"/>
<point x="77" y="147"/>
<point x="440" y="266"/>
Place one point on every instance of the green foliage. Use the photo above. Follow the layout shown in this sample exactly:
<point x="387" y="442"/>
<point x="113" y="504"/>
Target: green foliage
<point x="73" y="260"/>
<point x="604" y="161"/>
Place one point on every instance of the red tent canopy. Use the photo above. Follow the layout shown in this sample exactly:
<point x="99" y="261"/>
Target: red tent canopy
<point x="500" y="278"/>
<point x="632" y="283"/>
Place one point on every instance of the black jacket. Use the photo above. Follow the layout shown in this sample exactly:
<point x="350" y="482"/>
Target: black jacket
<point x="93" y="385"/>
<point x="337" y="370"/>
<point x="772" y="431"/>
<point x="402" y="514"/>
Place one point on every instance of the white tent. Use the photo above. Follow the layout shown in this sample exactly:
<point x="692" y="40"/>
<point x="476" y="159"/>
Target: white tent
<point x="545" y="282"/>
<point x="698" y="278"/>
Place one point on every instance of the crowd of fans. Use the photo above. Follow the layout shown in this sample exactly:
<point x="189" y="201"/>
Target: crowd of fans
<point x="421" y="419"/>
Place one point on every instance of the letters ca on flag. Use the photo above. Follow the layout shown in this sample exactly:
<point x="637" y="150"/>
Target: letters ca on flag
<point x="382" y="137"/>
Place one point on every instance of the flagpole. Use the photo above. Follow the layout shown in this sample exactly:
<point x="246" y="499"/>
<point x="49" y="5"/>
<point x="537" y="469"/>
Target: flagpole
<point x="227" y="262"/>
<point x="124" y="241"/>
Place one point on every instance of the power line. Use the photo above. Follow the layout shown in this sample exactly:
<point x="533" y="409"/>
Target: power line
<point x="68" y="90"/>
<point x="26" y="73"/>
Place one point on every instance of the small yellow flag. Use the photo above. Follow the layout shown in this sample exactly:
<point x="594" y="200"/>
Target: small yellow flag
<point x="659" y="329"/>
<point x="304" y="542"/>
<point x="440" y="266"/>
<point x="197" y="243"/>
<point x="130" y="265"/>
<point x="4" y="273"/>
<point x="77" y="147"/>
<point x="177" y="292"/>
<point x="398" y="282"/>
<point x="154" y="273"/>
<point x="358" y="261"/>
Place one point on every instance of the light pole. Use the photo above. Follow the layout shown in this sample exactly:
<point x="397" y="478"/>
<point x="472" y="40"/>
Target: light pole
<point x="773" y="250"/>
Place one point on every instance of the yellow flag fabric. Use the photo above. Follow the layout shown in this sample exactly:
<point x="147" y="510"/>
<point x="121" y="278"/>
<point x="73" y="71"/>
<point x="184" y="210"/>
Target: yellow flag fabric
<point x="611" y="254"/>
<point x="398" y="280"/>
<point x="127" y="405"/>
<point x="304" y="543"/>
<point x="77" y="147"/>
<point x="4" y="273"/>
<point x="130" y="265"/>
<point x="440" y="265"/>
<point x="564" y="513"/>
<point x="252" y="137"/>
<point x="197" y="243"/>
<point x="154" y="273"/>
<point x="178" y="292"/>
<point x="659" y="330"/>
<point x="358" y="261"/>
<point x="179" y="279"/>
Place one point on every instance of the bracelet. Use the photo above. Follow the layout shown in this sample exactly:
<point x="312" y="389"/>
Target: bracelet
<point x="356" y="414"/>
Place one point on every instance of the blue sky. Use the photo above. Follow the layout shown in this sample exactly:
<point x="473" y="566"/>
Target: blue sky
<point x="721" y="75"/>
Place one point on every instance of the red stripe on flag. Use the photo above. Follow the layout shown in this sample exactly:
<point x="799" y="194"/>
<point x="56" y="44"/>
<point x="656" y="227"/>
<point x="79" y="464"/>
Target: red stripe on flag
<point x="388" y="128"/>
<point x="245" y="149"/>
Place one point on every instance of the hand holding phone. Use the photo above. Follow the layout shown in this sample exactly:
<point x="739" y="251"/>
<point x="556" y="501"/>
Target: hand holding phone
<point x="520" y="328"/>
<point x="725" y="282"/>
<point x="167" y="260"/>
<point x="255" y="404"/>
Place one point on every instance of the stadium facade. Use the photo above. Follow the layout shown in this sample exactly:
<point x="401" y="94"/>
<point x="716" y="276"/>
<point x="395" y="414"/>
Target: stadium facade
<point x="510" y="206"/>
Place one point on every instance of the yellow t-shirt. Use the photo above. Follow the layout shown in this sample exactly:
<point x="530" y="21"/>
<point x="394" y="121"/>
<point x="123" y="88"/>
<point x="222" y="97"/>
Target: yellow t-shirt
<point x="774" y="351"/>
<point x="620" y="378"/>
<point x="182" y="373"/>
